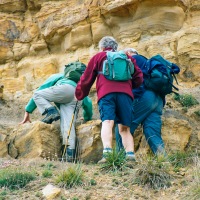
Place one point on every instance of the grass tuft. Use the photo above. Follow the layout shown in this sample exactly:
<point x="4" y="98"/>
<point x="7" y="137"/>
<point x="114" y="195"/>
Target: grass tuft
<point x="186" y="100"/>
<point x="15" y="179"/>
<point x="71" y="177"/>
<point x="115" y="161"/>
<point x="180" y="159"/>
<point x="47" y="173"/>
<point x="154" y="173"/>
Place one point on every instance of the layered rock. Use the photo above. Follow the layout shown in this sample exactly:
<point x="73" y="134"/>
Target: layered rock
<point x="37" y="38"/>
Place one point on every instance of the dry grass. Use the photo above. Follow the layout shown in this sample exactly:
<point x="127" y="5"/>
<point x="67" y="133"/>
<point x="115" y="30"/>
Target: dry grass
<point x="150" y="178"/>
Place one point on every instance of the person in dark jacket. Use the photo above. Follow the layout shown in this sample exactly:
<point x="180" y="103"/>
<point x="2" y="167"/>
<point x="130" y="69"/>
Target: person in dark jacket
<point x="147" y="108"/>
<point x="114" y="98"/>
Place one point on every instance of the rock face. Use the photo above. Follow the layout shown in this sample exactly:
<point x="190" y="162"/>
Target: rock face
<point x="37" y="38"/>
<point x="35" y="140"/>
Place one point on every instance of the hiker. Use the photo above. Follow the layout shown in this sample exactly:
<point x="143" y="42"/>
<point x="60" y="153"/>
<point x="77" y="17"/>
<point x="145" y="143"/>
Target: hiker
<point x="59" y="89"/>
<point x="114" y="97"/>
<point x="147" y="106"/>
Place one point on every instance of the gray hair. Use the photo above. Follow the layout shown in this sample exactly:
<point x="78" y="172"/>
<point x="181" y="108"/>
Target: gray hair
<point x="131" y="50"/>
<point x="108" y="42"/>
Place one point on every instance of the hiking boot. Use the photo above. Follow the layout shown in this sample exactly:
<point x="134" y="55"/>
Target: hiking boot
<point x="103" y="160"/>
<point x="52" y="115"/>
<point x="70" y="155"/>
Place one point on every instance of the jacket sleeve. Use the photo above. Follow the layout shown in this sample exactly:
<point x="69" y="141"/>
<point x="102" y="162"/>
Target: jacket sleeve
<point x="137" y="79"/>
<point x="87" y="108"/>
<point x="86" y="80"/>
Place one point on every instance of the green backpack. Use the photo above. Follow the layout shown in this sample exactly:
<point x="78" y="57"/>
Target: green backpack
<point x="117" y="67"/>
<point x="74" y="70"/>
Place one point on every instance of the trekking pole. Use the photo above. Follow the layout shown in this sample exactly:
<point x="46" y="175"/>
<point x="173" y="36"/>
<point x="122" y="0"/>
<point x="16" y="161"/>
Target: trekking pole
<point x="69" y="130"/>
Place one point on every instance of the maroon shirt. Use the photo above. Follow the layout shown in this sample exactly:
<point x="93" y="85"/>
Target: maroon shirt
<point x="103" y="85"/>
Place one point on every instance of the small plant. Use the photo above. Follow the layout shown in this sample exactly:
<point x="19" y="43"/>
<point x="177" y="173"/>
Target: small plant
<point x="197" y="113"/>
<point x="38" y="194"/>
<point x="186" y="100"/>
<point x="71" y="177"/>
<point x="180" y="159"/>
<point x="93" y="182"/>
<point x="3" y="195"/>
<point x="154" y="173"/>
<point x="15" y="179"/>
<point x="115" y="161"/>
<point x="47" y="173"/>
<point x="75" y="198"/>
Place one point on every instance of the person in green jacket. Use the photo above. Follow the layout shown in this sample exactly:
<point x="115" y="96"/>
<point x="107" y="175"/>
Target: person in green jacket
<point x="60" y="89"/>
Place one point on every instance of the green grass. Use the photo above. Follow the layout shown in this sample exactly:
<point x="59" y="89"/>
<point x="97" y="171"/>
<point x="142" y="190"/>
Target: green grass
<point x="71" y="177"/>
<point x="186" y="100"/>
<point x="115" y="161"/>
<point x="180" y="159"/>
<point x="197" y="113"/>
<point x="15" y="179"/>
<point x="47" y="173"/>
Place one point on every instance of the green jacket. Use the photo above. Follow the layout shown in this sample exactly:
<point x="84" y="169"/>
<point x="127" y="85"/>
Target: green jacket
<point x="59" y="79"/>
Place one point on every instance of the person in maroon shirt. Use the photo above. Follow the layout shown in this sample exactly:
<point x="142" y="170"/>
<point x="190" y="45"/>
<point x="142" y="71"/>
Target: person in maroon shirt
<point x="115" y="98"/>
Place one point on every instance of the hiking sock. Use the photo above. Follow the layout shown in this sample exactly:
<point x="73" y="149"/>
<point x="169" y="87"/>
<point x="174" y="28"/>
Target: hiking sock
<point x="130" y="156"/>
<point x="105" y="153"/>
<point x="106" y="150"/>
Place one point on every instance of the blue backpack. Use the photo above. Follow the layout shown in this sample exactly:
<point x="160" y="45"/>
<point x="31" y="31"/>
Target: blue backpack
<point x="160" y="74"/>
<point x="117" y="67"/>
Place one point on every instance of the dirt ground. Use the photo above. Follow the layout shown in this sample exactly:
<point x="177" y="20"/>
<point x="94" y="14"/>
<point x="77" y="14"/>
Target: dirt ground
<point x="97" y="184"/>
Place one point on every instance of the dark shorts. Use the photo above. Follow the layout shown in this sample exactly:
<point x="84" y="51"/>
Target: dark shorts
<point x="118" y="107"/>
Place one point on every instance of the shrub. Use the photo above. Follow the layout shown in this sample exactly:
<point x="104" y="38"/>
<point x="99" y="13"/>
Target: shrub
<point x="15" y="179"/>
<point x="71" y="177"/>
<point x="186" y="100"/>
<point x="154" y="173"/>
<point x="115" y="161"/>
<point x="47" y="173"/>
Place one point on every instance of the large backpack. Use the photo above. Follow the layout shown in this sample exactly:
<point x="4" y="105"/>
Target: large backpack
<point x="74" y="70"/>
<point x="117" y="67"/>
<point x="160" y="75"/>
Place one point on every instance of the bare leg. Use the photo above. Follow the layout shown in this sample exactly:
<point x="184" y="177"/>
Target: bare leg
<point x="127" y="138"/>
<point x="106" y="133"/>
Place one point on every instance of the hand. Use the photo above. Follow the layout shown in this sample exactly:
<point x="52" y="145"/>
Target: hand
<point x="75" y="98"/>
<point x="26" y="118"/>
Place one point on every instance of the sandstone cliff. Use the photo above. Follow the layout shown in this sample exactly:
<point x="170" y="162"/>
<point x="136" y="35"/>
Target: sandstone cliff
<point x="37" y="38"/>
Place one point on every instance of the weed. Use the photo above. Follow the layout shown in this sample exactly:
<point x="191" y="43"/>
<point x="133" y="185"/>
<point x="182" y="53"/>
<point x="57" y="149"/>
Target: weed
<point x="125" y="184"/>
<point x="15" y="179"/>
<point x="71" y="177"/>
<point x="38" y="194"/>
<point x="154" y="172"/>
<point x="197" y="113"/>
<point x="93" y="182"/>
<point x="186" y="100"/>
<point x="75" y="198"/>
<point x="3" y="195"/>
<point x="63" y="198"/>
<point x="47" y="173"/>
<point x="115" y="161"/>
<point x="180" y="159"/>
